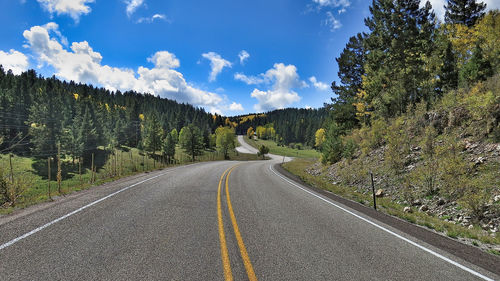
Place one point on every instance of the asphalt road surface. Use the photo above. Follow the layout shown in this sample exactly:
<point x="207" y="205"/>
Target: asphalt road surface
<point x="213" y="221"/>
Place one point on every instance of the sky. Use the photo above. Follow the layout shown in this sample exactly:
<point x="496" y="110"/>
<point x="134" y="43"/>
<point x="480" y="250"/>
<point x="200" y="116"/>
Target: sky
<point x="230" y="57"/>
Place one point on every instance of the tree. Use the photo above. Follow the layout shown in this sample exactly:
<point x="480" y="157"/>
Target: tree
<point x="168" y="147"/>
<point x="466" y="12"/>
<point x="152" y="134"/>
<point x="225" y="140"/>
<point x="351" y="70"/>
<point x="175" y="136"/>
<point x="400" y="43"/>
<point x="332" y="147"/>
<point x="320" y="138"/>
<point x="476" y="69"/>
<point x="448" y="76"/>
<point x="263" y="150"/>
<point x="250" y="132"/>
<point x="191" y="140"/>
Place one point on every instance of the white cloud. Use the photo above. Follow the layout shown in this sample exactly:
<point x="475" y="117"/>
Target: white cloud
<point x="332" y="22"/>
<point x="438" y="6"/>
<point x="73" y="8"/>
<point x="333" y="3"/>
<point x="153" y="18"/>
<point x="284" y="78"/>
<point x="14" y="60"/>
<point x="317" y="84"/>
<point x="132" y="6"/>
<point x="243" y="55"/>
<point x="217" y="63"/>
<point x="307" y="107"/>
<point x="83" y="64"/>
<point x="251" y="80"/>
<point x="236" y="107"/>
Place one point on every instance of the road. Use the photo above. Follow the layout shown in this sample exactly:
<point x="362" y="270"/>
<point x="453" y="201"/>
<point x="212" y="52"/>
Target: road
<point x="180" y="224"/>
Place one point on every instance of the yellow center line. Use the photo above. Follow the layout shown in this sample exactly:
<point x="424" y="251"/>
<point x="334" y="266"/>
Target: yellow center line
<point x="228" y="275"/>
<point x="241" y="245"/>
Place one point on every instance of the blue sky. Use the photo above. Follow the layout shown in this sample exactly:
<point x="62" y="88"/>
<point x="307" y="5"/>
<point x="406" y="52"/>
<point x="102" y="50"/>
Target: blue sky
<point x="228" y="56"/>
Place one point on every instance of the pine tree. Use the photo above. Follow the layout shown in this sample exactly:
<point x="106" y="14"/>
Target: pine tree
<point x="466" y="12"/>
<point x="191" y="140"/>
<point x="168" y="147"/>
<point x="476" y="69"/>
<point x="448" y="77"/>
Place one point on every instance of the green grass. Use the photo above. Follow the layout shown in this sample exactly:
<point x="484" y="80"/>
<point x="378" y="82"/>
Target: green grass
<point x="386" y="205"/>
<point x="282" y="150"/>
<point x="130" y="161"/>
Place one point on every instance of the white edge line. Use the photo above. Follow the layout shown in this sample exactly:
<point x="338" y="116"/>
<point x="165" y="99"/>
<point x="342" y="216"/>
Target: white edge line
<point x="15" y="240"/>
<point x="387" y="230"/>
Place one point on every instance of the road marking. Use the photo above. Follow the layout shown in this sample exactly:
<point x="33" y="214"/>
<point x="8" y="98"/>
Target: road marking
<point x="15" y="240"/>
<point x="387" y="230"/>
<point x="241" y="245"/>
<point x="228" y="275"/>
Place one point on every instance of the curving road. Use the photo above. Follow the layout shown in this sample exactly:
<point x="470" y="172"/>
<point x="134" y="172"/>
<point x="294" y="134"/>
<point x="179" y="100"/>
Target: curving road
<point x="213" y="221"/>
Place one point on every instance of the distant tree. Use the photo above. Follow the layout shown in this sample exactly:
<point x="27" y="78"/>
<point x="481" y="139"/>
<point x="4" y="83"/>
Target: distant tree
<point x="175" y="135"/>
<point x="191" y="140"/>
<point x="466" y="12"/>
<point x="319" y="138"/>
<point x="263" y="150"/>
<point x="225" y="140"/>
<point x="250" y="132"/>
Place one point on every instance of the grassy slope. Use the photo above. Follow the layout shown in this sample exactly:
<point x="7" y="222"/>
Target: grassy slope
<point x="281" y="150"/>
<point x="386" y="205"/>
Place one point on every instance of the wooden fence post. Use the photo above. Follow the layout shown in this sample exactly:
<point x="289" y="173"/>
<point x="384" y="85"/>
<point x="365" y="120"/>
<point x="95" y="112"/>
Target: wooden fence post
<point x="48" y="166"/>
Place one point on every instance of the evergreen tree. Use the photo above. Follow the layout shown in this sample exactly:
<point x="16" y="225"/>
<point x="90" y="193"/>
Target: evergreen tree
<point x="191" y="140"/>
<point x="466" y="12"/>
<point x="168" y="147"/>
<point x="152" y="134"/>
<point x="332" y="146"/>
<point x="448" y="76"/>
<point x="401" y="40"/>
<point x="476" y="69"/>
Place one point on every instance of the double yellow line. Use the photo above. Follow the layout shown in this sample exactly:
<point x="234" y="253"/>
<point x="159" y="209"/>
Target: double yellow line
<point x="228" y="275"/>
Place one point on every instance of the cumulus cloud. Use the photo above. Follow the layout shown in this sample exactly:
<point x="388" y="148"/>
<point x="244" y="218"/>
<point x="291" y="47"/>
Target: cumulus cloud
<point x="217" y="63"/>
<point x="153" y="18"/>
<point x="14" y="60"/>
<point x="438" y="6"/>
<point x="332" y="22"/>
<point x="284" y="79"/>
<point x="73" y="8"/>
<point x="82" y="64"/>
<point x="236" y="107"/>
<point x="317" y="84"/>
<point x="132" y="6"/>
<point x="243" y="55"/>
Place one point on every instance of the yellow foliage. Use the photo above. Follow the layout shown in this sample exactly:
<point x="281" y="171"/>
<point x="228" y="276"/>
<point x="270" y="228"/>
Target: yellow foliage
<point x="76" y="96"/>
<point x="107" y="107"/>
<point x="320" y="137"/>
<point x="141" y="116"/>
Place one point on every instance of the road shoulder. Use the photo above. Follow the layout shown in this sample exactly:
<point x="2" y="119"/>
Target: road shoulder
<point x="468" y="253"/>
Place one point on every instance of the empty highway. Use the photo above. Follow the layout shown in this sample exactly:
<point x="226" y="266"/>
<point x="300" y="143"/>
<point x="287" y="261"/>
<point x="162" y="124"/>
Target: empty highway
<point x="222" y="220"/>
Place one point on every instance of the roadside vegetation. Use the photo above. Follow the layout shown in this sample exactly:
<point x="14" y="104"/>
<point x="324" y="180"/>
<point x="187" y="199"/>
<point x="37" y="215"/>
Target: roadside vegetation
<point x="418" y="105"/>
<point x="274" y="148"/>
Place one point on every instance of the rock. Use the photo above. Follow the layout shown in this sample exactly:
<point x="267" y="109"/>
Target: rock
<point x="407" y="210"/>
<point x="423" y="208"/>
<point x="471" y="226"/>
<point x="379" y="193"/>
<point x="479" y="160"/>
<point x="441" y="201"/>
<point x="496" y="198"/>
<point x="417" y="202"/>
